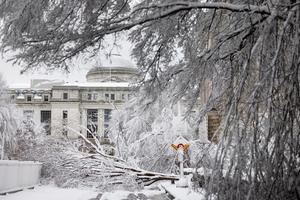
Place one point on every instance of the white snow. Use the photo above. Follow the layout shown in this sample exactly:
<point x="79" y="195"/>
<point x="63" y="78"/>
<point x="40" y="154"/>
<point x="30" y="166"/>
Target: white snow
<point x="51" y="193"/>
<point x="122" y="194"/>
<point x="99" y="84"/>
<point x="183" y="193"/>
<point x="78" y="84"/>
<point x="37" y="97"/>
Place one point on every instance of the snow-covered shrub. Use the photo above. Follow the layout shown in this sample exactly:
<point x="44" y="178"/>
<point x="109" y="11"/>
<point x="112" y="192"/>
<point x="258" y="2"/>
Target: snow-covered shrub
<point x="37" y="146"/>
<point x="66" y="166"/>
<point x="8" y="122"/>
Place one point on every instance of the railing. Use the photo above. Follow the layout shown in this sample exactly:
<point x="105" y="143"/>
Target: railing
<point x="18" y="175"/>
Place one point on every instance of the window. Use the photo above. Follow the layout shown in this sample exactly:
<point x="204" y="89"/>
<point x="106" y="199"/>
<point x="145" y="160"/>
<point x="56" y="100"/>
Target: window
<point x="45" y="116"/>
<point x="92" y="122"/>
<point x="46" y="98"/>
<point x="107" y="116"/>
<point x="123" y="97"/>
<point x="95" y="96"/>
<point x="89" y="96"/>
<point x="65" y="123"/>
<point x="92" y="96"/>
<point x="46" y="120"/>
<point x="65" y="95"/>
<point x="12" y="97"/>
<point x="65" y="114"/>
<point x="106" y="97"/>
<point x="29" y="98"/>
<point x="112" y="97"/>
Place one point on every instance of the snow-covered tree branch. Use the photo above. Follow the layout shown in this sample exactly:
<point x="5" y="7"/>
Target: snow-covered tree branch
<point x="245" y="52"/>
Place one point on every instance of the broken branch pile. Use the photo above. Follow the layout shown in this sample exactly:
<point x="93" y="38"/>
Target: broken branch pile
<point x="100" y="170"/>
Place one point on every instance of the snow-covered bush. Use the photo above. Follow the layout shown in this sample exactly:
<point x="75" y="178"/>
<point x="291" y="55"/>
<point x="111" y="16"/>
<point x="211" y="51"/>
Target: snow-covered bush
<point x="8" y="122"/>
<point x="66" y="166"/>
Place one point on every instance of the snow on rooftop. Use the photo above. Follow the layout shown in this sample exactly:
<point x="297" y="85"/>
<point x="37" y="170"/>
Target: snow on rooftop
<point x="45" y="83"/>
<point x="37" y="84"/>
<point x="99" y="84"/>
<point x="76" y="84"/>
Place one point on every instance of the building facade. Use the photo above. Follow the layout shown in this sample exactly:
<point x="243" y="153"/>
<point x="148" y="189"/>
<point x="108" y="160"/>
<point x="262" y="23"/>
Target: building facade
<point x="72" y="109"/>
<point x="75" y="109"/>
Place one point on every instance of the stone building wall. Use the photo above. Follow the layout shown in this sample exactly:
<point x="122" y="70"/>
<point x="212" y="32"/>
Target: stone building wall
<point x="213" y="124"/>
<point x="71" y="124"/>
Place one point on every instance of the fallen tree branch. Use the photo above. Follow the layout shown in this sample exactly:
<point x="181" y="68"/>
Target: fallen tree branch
<point x="102" y="167"/>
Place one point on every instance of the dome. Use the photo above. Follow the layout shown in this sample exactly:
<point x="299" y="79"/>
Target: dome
<point x="113" y="68"/>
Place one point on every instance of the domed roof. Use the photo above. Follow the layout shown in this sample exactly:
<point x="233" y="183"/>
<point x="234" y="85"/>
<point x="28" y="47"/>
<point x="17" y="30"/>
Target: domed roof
<point x="113" y="62"/>
<point x="113" y="65"/>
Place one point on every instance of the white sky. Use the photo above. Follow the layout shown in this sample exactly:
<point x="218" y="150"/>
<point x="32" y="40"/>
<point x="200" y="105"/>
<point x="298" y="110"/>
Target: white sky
<point x="11" y="73"/>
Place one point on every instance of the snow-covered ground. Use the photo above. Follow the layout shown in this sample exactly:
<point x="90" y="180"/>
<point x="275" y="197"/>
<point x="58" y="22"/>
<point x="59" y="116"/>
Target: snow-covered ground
<point x="51" y="192"/>
<point x="120" y="194"/>
<point x="183" y="193"/>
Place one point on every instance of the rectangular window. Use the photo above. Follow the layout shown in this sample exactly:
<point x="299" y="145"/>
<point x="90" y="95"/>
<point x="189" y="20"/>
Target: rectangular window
<point x="89" y="96"/>
<point x="65" y="95"/>
<point x="65" y="114"/>
<point x="107" y="117"/>
<point x="46" y="120"/>
<point x="12" y="97"/>
<point x="123" y="97"/>
<point x="29" y="98"/>
<point x="95" y="96"/>
<point x="65" y="123"/>
<point x="106" y="97"/>
<point x="112" y="97"/>
<point x="129" y="96"/>
<point x="46" y="98"/>
<point x="45" y="116"/>
<point x="92" y="122"/>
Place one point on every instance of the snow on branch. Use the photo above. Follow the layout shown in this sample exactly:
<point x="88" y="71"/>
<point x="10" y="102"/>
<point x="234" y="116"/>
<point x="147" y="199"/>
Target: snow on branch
<point x="99" y="151"/>
<point x="96" y="166"/>
<point x="185" y="5"/>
